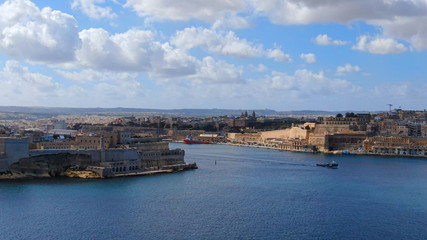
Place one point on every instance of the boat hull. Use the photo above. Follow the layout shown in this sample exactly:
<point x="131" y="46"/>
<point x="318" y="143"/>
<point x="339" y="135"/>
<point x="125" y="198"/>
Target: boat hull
<point x="195" y="142"/>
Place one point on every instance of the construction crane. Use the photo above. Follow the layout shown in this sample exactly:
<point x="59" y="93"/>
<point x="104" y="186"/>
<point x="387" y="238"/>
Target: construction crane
<point x="390" y="105"/>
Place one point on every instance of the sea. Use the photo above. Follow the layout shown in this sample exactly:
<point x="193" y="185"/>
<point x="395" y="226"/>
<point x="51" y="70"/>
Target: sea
<point x="237" y="193"/>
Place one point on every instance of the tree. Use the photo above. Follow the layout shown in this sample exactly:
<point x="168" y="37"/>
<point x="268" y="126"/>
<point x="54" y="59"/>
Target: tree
<point x="350" y="114"/>
<point x="339" y="115"/>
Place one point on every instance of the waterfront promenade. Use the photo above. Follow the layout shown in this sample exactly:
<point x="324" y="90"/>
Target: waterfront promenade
<point x="351" y="152"/>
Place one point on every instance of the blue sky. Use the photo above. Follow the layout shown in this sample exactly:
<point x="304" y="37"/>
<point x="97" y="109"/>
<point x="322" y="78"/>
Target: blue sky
<point x="241" y="54"/>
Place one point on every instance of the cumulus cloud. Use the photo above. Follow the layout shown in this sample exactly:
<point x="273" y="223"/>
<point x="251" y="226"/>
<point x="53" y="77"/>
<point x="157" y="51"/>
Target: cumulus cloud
<point x="309" y="57"/>
<point x="135" y="51"/>
<point x="30" y="34"/>
<point x="409" y="28"/>
<point x="378" y="45"/>
<point x="19" y="85"/>
<point x="305" y="81"/>
<point x="278" y="55"/>
<point x="92" y="9"/>
<point x="225" y="44"/>
<point x="209" y="11"/>
<point x="214" y="72"/>
<point x="326" y="11"/>
<point x="398" y="19"/>
<point x="325" y="40"/>
<point x="348" y="68"/>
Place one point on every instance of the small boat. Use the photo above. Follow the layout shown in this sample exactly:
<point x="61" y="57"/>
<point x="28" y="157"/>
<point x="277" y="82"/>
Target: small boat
<point x="348" y="153"/>
<point x="332" y="164"/>
<point x="190" y="140"/>
<point x="322" y="164"/>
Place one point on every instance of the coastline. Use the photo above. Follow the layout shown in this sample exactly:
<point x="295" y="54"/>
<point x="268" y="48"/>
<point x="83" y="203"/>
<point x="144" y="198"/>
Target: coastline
<point x="88" y="174"/>
<point x="338" y="152"/>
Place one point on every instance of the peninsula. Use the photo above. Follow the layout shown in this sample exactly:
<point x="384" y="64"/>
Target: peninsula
<point x="101" y="155"/>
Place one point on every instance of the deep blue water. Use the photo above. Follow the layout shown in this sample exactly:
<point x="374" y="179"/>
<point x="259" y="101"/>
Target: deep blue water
<point x="249" y="194"/>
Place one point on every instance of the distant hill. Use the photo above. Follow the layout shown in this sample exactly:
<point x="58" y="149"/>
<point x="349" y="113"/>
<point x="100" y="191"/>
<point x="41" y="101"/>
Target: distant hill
<point x="145" y="111"/>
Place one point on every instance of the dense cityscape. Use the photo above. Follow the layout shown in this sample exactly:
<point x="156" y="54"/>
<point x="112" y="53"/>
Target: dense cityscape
<point x="131" y="145"/>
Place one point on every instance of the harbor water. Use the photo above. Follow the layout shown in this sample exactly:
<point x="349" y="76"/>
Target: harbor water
<point x="237" y="193"/>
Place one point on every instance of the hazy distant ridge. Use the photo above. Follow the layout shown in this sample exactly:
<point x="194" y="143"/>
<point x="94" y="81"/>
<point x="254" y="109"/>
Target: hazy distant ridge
<point x="187" y="112"/>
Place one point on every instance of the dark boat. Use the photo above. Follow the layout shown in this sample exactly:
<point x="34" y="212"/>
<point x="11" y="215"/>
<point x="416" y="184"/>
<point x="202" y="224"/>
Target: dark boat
<point x="332" y="164"/>
<point x="322" y="164"/>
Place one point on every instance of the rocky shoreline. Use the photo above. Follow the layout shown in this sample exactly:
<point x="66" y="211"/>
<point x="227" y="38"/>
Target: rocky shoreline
<point x="90" y="174"/>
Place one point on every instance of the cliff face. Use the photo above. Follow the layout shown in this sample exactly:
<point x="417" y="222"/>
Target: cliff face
<point x="49" y="165"/>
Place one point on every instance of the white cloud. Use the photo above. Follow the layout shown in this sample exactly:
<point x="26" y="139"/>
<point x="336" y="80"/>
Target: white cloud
<point x="309" y="57"/>
<point x="30" y="34"/>
<point x="225" y="44"/>
<point x="307" y="82"/>
<point x="326" y="11"/>
<point x="20" y="86"/>
<point x="378" y="45"/>
<point x="91" y="9"/>
<point x="409" y="28"/>
<point x="135" y="51"/>
<point x="348" y="68"/>
<point x="214" y="72"/>
<point x="209" y="11"/>
<point x="325" y="40"/>
<point x="278" y="55"/>
<point x="128" y="51"/>
<point x="260" y="68"/>
<point x="398" y="18"/>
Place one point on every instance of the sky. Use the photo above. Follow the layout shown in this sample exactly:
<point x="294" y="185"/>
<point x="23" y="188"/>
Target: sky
<point x="233" y="54"/>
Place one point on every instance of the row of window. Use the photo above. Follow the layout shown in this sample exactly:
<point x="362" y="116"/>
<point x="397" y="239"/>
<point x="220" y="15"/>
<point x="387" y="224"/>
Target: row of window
<point x="56" y="148"/>
<point x="123" y="169"/>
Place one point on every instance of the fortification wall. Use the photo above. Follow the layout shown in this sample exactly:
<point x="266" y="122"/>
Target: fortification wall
<point x="294" y="132"/>
<point x="12" y="150"/>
